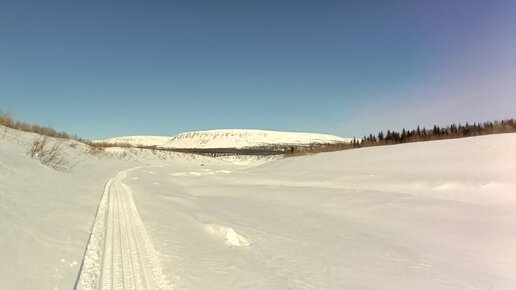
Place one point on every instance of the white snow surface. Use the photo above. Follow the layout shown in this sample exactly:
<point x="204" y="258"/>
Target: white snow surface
<point x="432" y="215"/>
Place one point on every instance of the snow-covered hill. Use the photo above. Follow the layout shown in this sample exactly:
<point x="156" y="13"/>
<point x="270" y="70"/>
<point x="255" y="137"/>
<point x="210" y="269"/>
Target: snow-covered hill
<point x="239" y="138"/>
<point x="139" y="140"/>
<point x="230" y="138"/>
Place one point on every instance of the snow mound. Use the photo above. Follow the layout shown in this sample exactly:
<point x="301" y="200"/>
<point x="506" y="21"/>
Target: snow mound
<point x="229" y="234"/>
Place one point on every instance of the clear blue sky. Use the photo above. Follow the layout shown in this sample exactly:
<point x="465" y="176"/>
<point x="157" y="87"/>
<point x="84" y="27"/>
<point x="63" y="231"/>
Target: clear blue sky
<point x="111" y="68"/>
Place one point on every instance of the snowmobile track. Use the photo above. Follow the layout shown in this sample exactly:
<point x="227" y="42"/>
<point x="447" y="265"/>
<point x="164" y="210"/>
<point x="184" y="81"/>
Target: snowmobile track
<point x="120" y="254"/>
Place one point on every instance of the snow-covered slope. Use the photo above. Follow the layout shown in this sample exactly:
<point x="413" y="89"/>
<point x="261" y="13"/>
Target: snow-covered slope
<point x="239" y="138"/>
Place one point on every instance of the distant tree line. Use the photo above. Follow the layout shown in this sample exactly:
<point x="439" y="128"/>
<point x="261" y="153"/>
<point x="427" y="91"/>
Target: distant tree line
<point x="437" y="133"/>
<point x="419" y="134"/>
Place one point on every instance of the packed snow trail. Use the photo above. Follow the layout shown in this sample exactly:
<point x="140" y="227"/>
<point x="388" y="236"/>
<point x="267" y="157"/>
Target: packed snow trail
<point x="120" y="254"/>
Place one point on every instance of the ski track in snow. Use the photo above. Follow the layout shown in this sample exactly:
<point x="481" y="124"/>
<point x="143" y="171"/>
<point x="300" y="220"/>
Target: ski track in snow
<point x="120" y="254"/>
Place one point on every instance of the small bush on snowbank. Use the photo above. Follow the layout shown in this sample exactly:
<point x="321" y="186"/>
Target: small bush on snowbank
<point x="49" y="154"/>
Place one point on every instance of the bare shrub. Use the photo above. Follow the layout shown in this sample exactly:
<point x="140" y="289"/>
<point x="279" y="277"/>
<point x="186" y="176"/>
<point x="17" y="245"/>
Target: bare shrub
<point x="104" y="144"/>
<point x="37" y="146"/>
<point x="95" y="148"/>
<point x="99" y="147"/>
<point x="6" y="121"/>
<point x="49" y="154"/>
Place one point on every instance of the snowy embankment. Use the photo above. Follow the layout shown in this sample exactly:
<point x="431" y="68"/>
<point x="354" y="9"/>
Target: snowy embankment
<point x="434" y="215"/>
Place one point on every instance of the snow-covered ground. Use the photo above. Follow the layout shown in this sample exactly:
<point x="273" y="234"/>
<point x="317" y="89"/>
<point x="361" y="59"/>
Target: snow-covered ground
<point x="434" y="215"/>
<point x="230" y="138"/>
